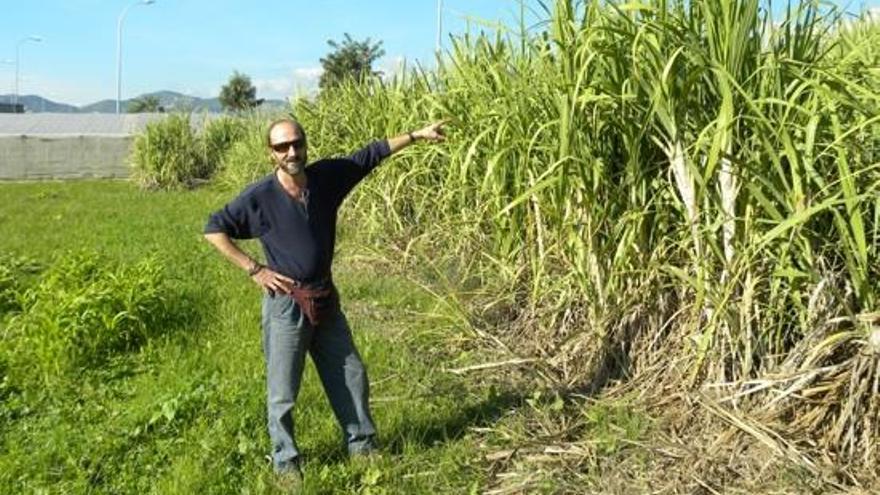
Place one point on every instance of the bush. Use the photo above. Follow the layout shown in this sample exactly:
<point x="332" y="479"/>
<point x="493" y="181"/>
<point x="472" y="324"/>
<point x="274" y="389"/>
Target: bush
<point x="82" y="311"/>
<point x="9" y="289"/>
<point x="247" y="160"/>
<point x="166" y="155"/>
<point x="14" y="275"/>
<point x="218" y="136"/>
<point x="170" y="155"/>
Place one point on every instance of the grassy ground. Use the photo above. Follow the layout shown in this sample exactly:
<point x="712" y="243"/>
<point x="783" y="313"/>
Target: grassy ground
<point x="184" y="413"/>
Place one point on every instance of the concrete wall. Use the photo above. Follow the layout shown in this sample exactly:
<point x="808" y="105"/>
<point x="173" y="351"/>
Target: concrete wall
<point x="69" y="145"/>
<point x="64" y="156"/>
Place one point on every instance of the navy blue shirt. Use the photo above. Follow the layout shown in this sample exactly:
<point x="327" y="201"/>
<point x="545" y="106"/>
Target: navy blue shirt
<point x="298" y="239"/>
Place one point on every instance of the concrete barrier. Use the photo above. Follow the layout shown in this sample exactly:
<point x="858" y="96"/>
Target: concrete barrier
<point x="64" y="156"/>
<point x="73" y="146"/>
<point x="70" y="145"/>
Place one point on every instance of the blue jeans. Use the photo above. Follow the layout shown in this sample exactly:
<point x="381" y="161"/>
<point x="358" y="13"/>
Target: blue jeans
<point x="287" y="336"/>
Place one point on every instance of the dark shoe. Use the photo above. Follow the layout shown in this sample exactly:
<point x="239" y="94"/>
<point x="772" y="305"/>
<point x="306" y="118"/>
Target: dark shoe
<point x="365" y="446"/>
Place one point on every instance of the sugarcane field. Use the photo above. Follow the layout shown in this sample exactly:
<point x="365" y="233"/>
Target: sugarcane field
<point x="599" y="247"/>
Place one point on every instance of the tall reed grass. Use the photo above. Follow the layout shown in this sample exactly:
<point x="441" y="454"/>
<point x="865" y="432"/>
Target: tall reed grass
<point x="166" y="155"/>
<point x="680" y="194"/>
<point x="180" y="152"/>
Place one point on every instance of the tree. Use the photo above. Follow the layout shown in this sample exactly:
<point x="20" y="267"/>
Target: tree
<point x="349" y="59"/>
<point x="239" y="94"/>
<point x="145" y="104"/>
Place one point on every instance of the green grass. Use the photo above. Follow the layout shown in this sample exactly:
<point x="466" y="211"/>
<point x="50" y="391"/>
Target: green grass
<point x="184" y="413"/>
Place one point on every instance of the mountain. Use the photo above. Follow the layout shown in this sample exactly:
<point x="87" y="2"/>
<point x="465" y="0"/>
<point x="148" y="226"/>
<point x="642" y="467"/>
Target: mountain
<point x="35" y="103"/>
<point x="169" y="100"/>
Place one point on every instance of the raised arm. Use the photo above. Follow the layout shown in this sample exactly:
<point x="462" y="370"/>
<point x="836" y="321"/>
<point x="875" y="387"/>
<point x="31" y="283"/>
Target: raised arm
<point x="360" y="163"/>
<point x="433" y="132"/>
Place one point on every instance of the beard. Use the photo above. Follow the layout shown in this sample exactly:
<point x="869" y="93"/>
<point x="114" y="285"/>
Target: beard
<point x="293" y="167"/>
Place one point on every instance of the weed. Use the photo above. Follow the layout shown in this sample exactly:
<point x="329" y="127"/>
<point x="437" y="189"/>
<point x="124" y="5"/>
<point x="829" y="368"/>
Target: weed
<point x="16" y="274"/>
<point x="83" y="311"/>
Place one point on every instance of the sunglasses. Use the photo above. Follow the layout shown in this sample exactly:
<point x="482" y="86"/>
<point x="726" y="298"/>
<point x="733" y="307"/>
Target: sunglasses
<point x="286" y="145"/>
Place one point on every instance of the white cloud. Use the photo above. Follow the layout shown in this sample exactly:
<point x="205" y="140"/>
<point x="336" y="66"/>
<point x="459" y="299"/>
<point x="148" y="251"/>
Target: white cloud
<point x="305" y="80"/>
<point x="308" y="73"/>
<point x="391" y="66"/>
<point x="302" y="80"/>
<point x="273" y="88"/>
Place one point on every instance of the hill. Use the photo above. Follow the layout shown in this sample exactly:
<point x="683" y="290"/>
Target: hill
<point x="169" y="100"/>
<point x="36" y="103"/>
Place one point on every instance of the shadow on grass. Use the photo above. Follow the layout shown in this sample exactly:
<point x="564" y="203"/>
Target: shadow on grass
<point x="429" y="431"/>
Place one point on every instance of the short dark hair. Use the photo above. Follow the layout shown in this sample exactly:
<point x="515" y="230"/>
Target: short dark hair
<point x="286" y="120"/>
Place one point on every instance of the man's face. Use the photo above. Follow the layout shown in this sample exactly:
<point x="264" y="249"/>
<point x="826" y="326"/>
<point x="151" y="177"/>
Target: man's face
<point x="288" y="148"/>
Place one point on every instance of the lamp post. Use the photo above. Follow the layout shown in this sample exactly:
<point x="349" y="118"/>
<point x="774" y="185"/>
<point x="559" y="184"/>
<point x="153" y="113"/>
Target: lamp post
<point x="439" y="25"/>
<point x="35" y="39"/>
<point x="119" y="48"/>
<point x="8" y="61"/>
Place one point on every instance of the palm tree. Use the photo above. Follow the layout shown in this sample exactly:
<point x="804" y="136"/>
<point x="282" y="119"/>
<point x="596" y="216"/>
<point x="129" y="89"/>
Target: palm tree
<point x="239" y="94"/>
<point x="145" y="104"/>
<point x="350" y="59"/>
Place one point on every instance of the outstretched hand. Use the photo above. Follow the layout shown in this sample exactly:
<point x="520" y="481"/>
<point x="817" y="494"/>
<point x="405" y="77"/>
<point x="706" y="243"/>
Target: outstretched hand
<point x="433" y="132"/>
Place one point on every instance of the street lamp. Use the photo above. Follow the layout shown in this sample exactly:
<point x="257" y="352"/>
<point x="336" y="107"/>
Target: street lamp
<point x="8" y="61"/>
<point x="35" y="39"/>
<point x="119" y="48"/>
<point x="439" y="25"/>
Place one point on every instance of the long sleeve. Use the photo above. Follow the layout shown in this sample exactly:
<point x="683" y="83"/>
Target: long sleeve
<point x="343" y="174"/>
<point x="368" y="157"/>
<point x="240" y="219"/>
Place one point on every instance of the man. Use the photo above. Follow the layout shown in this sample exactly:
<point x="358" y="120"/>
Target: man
<point x="293" y="213"/>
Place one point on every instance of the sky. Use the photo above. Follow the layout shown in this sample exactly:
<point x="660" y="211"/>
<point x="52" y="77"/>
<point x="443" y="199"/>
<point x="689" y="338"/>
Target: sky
<point x="193" y="46"/>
